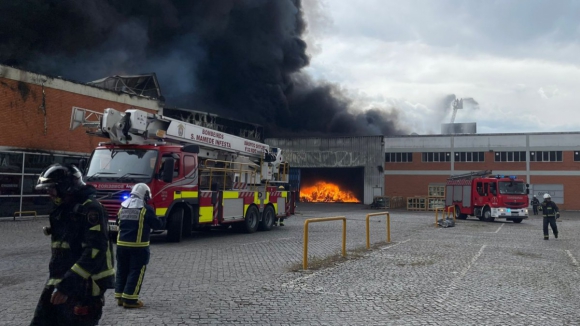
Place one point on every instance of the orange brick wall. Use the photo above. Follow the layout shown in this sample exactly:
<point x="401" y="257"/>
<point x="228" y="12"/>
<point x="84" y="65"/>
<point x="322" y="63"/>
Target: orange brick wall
<point x="417" y="185"/>
<point x="23" y="121"/>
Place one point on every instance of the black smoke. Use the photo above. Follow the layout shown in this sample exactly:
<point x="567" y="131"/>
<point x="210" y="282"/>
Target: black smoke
<point x="237" y="58"/>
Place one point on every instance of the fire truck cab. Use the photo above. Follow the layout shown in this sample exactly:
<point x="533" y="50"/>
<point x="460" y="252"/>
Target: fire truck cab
<point x="487" y="196"/>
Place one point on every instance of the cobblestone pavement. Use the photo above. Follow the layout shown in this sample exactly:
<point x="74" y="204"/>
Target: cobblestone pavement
<point x="476" y="273"/>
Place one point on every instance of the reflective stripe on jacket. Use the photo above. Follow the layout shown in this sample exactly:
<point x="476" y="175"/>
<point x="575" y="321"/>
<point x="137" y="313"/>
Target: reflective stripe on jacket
<point x="135" y="226"/>
<point x="549" y="209"/>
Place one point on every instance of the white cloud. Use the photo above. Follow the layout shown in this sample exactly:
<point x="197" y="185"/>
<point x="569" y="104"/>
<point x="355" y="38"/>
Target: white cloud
<point x="394" y="56"/>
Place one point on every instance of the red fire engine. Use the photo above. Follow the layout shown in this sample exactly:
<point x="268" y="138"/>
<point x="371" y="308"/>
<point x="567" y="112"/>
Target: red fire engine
<point x="199" y="177"/>
<point x="487" y="197"/>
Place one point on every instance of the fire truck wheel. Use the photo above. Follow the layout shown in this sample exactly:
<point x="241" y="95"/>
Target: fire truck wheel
<point x="487" y="215"/>
<point x="268" y="216"/>
<point x="458" y="214"/>
<point x="113" y="237"/>
<point x="175" y="225"/>
<point x="187" y="225"/>
<point x="251" y="220"/>
<point x="517" y="220"/>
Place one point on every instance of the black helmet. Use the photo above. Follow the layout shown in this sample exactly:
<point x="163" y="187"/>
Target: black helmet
<point x="64" y="178"/>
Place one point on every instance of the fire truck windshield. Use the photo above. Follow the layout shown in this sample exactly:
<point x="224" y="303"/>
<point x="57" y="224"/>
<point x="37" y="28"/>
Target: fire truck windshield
<point x="512" y="188"/>
<point x="118" y="165"/>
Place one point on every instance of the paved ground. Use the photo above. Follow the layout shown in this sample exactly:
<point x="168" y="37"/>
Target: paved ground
<point x="476" y="273"/>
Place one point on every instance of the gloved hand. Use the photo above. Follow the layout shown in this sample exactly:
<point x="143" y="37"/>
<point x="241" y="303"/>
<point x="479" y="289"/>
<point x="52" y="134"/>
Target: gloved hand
<point x="557" y="215"/>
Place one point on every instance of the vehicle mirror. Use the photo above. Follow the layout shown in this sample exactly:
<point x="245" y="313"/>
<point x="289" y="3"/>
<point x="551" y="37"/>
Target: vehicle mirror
<point x="527" y="185"/>
<point x="527" y="191"/>
<point x="168" y="170"/>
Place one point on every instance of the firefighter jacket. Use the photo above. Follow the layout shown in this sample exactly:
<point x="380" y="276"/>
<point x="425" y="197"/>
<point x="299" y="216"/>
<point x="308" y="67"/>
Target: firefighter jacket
<point x="549" y="209"/>
<point x="135" y="224"/>
<point x="82" y="261"/>
<point x="535" y="202"/>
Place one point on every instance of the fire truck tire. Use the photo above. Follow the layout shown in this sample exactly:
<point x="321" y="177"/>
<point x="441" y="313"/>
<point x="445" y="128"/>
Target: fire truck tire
<point x="250" y="224"/>
<point x="187" y="224"/>
<point x="487" y="215"/>
<point x="459" y="215"/>
<point x="268" y="217"/>
<point x="175" y="227"/>
<point x="517" y="220"/>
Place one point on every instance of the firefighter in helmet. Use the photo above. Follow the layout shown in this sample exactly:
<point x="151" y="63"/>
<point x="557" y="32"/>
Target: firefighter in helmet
<point x="535" y="203"/>
<point x="136" y="219"/>
<point x="81" y="264"/>
<point x="551" y="213"/>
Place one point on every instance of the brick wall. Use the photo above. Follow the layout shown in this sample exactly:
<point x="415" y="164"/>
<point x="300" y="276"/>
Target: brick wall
<point x="408" y="185"/>
<point x="25" y="125"/>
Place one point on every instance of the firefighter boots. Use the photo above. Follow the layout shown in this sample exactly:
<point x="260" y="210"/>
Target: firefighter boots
<point x="132" y="305"/>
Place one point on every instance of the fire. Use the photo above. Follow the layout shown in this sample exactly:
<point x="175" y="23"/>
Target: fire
<point x="325" y="192"/>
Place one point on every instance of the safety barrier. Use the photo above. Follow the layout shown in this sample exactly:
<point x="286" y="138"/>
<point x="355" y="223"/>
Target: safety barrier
<point x="443" y="211"/>
<point x="23" y="212"/>
<point x="324" y="219"/>
<point x="388" y="227"/>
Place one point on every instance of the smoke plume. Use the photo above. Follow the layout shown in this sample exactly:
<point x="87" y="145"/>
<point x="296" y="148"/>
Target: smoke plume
<point x="237" y="58"/>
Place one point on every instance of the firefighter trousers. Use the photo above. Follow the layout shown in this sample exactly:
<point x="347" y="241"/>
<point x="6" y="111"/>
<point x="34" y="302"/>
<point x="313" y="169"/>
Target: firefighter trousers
<point x="74" y="311"/>
<point x="552" y="222"/>
<point x="131" y="265"/>
<point x="535" y="209"/>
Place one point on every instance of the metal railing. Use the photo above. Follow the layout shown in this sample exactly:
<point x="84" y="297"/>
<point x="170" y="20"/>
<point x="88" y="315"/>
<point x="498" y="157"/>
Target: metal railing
<point x="226" y="169"/>
<point x="388" y="227"/>
<point x="443" y="211"/>
<point x="324" y="219"/>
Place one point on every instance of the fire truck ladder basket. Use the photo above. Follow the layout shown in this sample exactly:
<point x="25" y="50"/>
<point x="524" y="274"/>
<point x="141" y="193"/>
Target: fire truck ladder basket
<point x="470" y="175"/>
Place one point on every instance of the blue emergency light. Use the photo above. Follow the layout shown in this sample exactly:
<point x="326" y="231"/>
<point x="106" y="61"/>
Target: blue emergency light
<point x="125" y="196"/>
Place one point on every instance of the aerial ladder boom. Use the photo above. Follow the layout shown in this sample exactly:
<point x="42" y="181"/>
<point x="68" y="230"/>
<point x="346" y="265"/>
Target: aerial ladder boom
<point x="137" y="127"/>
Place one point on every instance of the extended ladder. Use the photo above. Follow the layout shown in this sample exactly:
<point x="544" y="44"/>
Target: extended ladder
<point x="470" y="175"/>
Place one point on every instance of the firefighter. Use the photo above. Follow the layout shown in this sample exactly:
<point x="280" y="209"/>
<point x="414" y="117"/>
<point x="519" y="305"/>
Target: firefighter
<point x="551" y="213"/>
<point x="81" y="264"/>
<point x="135" y="219"/>
<point x="535" y="204"/>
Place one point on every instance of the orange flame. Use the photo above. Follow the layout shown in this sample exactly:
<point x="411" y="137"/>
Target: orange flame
<point x="325" y="192"/>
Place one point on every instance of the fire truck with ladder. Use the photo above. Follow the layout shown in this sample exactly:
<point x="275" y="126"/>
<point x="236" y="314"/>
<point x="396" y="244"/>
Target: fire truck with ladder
<point x="199" y="177"/>
<point x="487" y="196"/>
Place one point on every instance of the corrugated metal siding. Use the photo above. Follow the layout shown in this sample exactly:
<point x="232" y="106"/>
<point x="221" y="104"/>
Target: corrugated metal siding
<point x="367" y="152"/>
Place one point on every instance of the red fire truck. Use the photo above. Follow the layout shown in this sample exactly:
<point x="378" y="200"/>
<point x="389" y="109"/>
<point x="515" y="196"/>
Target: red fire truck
<point x="199" y="177"/>
<point x="487" y="196"/>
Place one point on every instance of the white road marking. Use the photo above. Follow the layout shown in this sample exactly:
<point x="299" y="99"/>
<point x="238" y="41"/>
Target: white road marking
<point x="574" y="261"/>
<point x="496" y="231"/>
<point x="464" y="271"/>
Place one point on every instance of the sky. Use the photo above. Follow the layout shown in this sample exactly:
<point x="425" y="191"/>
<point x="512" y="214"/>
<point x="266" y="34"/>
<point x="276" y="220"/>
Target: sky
<point x="518" y="60"/>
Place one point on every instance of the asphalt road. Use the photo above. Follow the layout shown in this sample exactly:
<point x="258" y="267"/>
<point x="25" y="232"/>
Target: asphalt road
<point x="476" y="273"/>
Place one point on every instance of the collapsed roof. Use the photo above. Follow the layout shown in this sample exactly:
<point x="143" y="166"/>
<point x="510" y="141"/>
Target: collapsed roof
<point x="141" y="85"/>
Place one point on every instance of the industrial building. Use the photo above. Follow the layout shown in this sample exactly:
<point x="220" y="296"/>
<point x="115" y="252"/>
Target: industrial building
<point x="36" y="116"/>
<point x="549" y="162"/>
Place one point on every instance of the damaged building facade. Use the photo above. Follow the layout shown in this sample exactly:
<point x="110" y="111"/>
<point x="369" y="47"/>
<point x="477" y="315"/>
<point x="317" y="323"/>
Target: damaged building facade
<point x="36" y="118"/>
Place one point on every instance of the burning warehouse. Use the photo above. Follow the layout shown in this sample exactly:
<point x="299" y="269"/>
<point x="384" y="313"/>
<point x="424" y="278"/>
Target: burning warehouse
<point x="340" y="169"/>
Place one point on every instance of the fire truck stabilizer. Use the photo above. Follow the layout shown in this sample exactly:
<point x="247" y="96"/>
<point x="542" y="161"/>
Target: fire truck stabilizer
<point x="199" y="177"/>
<point x="487" y="196"/>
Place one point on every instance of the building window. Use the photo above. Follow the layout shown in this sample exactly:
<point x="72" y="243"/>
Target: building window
<point x="436" y="157"/>
<point x="576" y="156"/>
<point x="519" y="156"/>
<point x="547" y="156"/>
<point x="398" y="157"/>
<point x="469" y="157"/>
